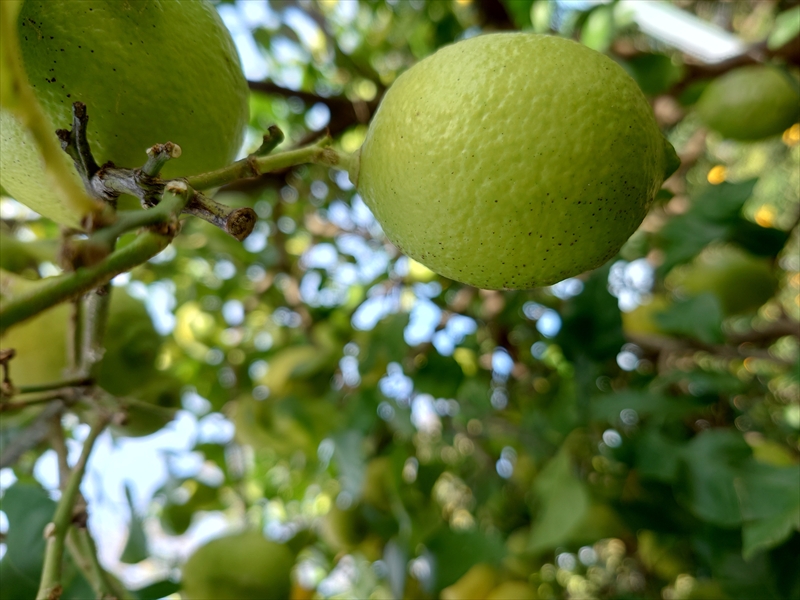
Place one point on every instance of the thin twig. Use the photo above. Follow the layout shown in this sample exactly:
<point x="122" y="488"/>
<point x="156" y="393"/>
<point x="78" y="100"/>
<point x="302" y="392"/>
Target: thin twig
<point x="50" y="586"/>
<point x="33" y="435"/>
<point x="54" y="290"/>
<point x="54" y="385"/>
<point x="252" y="166"/>
<point x="27" y="402"/>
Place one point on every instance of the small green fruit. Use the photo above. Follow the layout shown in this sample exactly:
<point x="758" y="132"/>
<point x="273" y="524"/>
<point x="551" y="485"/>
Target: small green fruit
<point x="148" y="72"/>
<point x="750" y="103"/>
<point x="741" y="282"/>
<point x="475" y="583"/>
<point x="245" y="566"/>
<point x="512" y="160"/>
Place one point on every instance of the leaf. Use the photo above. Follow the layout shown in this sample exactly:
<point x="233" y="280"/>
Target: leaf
<point x="715" y="215"/>
<point x="646" y="403"/>
<point x="136" y="547"/>
<point x="770" y="503"/>
<point x="456" y="552"/>
<point x="655" y="73"/>
<point x="564" y="502"/>
<point x="159" y="589"/>
<point x="349" y="457"/>
<point x="786" y="28"/>
<point x="657" y="456"/>
<point x="592" y="322"/>
<point x="440" y="376"/>
<point x="29" y="509"/>
<point x="709" y="465"/>
<point x="699" y="317"/>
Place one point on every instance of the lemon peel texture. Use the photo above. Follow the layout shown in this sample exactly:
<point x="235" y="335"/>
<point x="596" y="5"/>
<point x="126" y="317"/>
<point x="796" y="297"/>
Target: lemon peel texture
<point x="512" y="160"/>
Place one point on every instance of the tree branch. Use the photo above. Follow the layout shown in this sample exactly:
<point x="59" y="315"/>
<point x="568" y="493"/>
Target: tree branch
<point x="54" y="290"/>
<point x="50" y="586"/>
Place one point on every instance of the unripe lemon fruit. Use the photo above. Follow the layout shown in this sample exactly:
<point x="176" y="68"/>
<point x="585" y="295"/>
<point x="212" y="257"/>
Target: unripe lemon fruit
<point x="148" y="72"/>
<point x="750" y="103"/>
<point x="512" y="160"/>
<point x="245" y="566"/>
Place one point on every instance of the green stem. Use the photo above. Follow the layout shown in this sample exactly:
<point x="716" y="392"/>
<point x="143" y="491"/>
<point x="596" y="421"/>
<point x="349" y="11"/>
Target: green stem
<point x="50" y="586"/>
<point x="252" y="166"/>
<point x="54" y="290"/>
<point x="54" y="385"/>
<point x="95" y="311"/>
<point x="26" y="402"/>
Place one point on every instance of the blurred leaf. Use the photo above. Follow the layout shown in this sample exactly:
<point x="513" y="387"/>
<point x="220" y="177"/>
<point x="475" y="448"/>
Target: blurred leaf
<point x="440" y="376"/>
<point x="644" y="402"/>
<point x="760" y="241"/>
<point x="456" y="552"/>
<point x="349" y="457"/>
<point x="563" y="504"/>
<point x="655" y="73"/>
<point x="699" y="317"/>
<point x="135" y="549"/>
<point x="787" y="27"/>
<point x="519" y="11"/>
<point x="598" y="29"/>
<point x="658" y="456"/>
<point x="592" y="323"/>
<point x="709" y="465"/>
<point x="715" y="213"/>
<point x="770" y="502"/>
<point x="154" y="591"/>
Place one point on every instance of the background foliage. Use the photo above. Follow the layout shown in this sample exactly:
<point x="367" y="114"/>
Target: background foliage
<point x="631" y="433"/>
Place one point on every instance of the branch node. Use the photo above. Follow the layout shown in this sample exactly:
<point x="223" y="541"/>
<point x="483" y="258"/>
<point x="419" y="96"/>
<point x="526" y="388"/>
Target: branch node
<point x="271" y="139"/>
<point x="238" y="222"/>
<point x="157" y="157"/>
<point x="49" y="530"/>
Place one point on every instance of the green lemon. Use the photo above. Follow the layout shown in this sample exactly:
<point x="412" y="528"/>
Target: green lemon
<point x="243" y="566"/>
<point x="512" y="590"/>
<point x="750" y="103"/>
<point x="128" y="365"/>
<point x="148" y="72"/>
<point x="512" y="160"/>
<point x="474" y="584"/>
<point x="41" y="347"/>
<point x="741" y="282"/>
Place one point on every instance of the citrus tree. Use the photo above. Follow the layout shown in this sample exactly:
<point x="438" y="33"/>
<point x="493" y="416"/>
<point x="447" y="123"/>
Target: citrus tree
<point x="242" y="353"/>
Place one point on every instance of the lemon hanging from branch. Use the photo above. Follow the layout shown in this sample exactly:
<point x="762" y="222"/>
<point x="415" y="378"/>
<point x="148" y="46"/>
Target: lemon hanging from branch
<point x="512" y="160"/>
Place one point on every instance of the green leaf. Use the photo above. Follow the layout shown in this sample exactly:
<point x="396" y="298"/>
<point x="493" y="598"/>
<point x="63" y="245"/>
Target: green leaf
<point x="348" y="455"/>
<point x="699" y="317"/>
<point x="770" y="502"/>
<point x="787" y="27"/>
<point x="456" y="552"/>
<point x="440" y="376"/>
<point x="709" y="465"/>
<point x="655" y="73"/>
<point x="658" y="456"/>
<point x="715" y="213"/>
<point x="563" y="504"/>
<point x="644" y="402"/>
<point x="29" y="509"/>
<point x="159" y="589"/>
<point x="136" y="547"/>
<point x="592" y="322"/>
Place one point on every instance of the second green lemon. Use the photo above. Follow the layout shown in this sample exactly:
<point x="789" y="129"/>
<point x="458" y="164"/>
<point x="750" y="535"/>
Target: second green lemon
<point x="512" y="160"/>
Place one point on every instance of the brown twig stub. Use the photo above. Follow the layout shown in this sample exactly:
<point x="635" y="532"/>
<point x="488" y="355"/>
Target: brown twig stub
<point x="238" y="222"/>
<point x="6" y="387"/>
